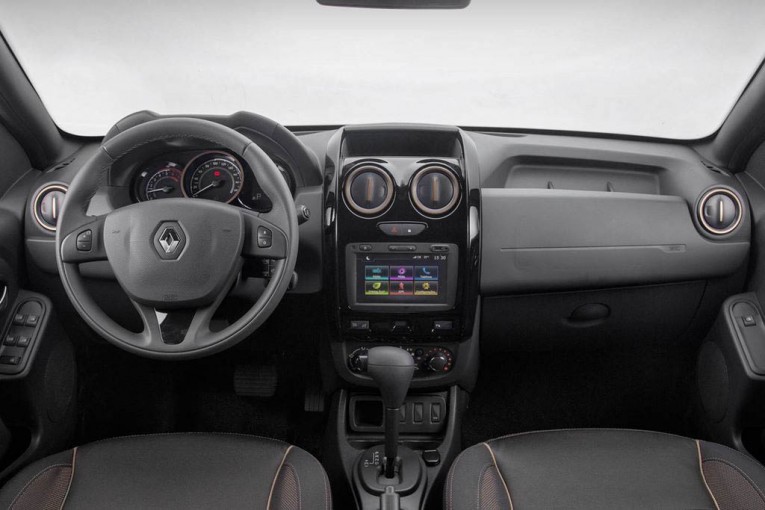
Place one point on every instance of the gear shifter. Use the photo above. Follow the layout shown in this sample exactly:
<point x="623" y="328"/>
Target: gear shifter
<point x="392" y="369"/>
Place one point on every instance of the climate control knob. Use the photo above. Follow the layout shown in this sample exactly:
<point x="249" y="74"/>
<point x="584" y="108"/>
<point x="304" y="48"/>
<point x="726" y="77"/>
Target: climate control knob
<point x="438" y="362"/>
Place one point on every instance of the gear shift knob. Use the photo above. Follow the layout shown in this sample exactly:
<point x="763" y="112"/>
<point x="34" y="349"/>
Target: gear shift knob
<point x="392" y="369"/>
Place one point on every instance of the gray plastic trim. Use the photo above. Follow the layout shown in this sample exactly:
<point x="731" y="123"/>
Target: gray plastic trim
<point x="554" y="239"/>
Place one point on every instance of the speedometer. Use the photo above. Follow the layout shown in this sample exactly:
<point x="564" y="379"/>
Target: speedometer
<point x="214" y="176"/>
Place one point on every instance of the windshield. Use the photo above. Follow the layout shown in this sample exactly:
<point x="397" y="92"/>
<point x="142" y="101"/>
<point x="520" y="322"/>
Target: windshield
<point x="659" y="68"/>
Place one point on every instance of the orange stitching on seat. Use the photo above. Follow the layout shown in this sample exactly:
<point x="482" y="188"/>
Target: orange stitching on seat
<point x="703" y="477"/>
<point x="276" y="477"/>
<point x="504" y="483"/>
<point x="71" y="478"/>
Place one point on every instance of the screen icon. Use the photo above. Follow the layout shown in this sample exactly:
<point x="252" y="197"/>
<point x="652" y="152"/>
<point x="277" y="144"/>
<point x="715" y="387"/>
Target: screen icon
<point x="425" y="288"/>
<point x="401" y="288"/>
<point x="426" y="273"/>
<point x="401" y="273"/>
<point x="376" y="272"/>
<point x="373" y="288"/>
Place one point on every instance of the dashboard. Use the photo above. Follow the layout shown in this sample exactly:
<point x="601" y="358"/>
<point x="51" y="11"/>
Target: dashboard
<point x="430" y="237"/>
<point x="205" y="174"/>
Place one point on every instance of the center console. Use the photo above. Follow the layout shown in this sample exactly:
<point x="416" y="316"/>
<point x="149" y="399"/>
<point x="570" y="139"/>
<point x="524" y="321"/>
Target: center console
<point x="402" y="232"/>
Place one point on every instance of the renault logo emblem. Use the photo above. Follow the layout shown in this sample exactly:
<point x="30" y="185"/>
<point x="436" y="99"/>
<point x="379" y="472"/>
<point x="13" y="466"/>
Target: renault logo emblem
<point x="169" y="240"/>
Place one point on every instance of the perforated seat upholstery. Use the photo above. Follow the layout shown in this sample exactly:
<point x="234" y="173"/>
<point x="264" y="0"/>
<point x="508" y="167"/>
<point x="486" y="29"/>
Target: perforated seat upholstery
<point x="597" y="469"/>
<point x="173" y="471"/>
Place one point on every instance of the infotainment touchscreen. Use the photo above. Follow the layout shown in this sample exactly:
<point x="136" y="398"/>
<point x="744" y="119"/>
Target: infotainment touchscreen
<point x="401" y="278"/>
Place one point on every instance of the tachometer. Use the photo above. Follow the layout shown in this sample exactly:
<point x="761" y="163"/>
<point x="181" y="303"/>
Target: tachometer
<point x="214" y="176"/>
<point x="160" y="180"/>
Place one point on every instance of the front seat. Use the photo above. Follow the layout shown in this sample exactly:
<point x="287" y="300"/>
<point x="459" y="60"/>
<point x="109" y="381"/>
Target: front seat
<point x="598" y="469"/>
<point x="173" y="471"/>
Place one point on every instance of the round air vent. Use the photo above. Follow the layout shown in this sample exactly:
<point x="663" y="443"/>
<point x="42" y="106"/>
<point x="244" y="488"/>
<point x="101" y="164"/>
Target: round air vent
<point x="435" y="190"/>
<point x="47" y="205"/>
<point x="720" y="211"/>
<point x="368" y="190"/>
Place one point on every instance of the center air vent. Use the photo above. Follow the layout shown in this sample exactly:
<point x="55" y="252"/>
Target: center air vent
<point x="47" y="205"/>
<point x="435" y="190"/>
<point x="368" y="190"/>
<point x="720" y="211"/>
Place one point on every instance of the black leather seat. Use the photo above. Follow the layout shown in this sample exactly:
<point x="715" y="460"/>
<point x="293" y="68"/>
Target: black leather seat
<point x="603" y="469"/>
<point x="173" y="471"/>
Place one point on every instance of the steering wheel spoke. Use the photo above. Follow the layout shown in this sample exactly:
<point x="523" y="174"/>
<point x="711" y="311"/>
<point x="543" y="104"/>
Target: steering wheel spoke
<point x="175" y="330"/>
<point x="85" y="243"/>
<point x="263" y="238"/>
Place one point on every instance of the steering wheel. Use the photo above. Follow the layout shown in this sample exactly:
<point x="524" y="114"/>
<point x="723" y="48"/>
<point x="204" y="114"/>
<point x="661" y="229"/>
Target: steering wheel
<point x="176" y="258"/>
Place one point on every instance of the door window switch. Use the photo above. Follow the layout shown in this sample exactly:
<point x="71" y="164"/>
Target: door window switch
<point x="749" y="320"/>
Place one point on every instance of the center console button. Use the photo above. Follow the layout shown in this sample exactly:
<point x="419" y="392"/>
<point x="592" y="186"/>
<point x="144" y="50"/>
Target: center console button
<point x="358" y="325"/>
<point x="439" y="248"/>
<point x="402" y="229"/>
<point x="400" y="327"/>
<point x="402" y="247"/>
<point x="443" y="325"/>
<point x="365" y="247"/>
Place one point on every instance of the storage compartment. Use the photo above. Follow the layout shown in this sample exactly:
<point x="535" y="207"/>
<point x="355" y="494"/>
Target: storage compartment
<point x="534" y="172"/>
<point x="401" y="141"/>
<point x="420" y="414"/>
<point x="613" y="318"/>
<point x="549" y="239"/>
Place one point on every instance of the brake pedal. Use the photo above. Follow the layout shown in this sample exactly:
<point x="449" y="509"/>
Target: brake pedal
<point x="255" y="380"/>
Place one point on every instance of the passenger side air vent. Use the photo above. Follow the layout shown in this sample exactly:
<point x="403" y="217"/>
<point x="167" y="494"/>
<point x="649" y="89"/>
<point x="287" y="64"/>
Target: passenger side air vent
<point x="720" y="211"/>
<point x="368" y="190"/>
<point x="47" y="205"/>
<point x="435" y="190"/>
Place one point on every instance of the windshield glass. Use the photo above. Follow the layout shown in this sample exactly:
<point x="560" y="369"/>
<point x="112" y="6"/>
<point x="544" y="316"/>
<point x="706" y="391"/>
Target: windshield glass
<point x="670" y="69"/>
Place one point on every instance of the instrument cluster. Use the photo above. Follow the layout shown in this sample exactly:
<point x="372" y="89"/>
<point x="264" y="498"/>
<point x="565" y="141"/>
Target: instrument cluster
<point x="212" y="174"/>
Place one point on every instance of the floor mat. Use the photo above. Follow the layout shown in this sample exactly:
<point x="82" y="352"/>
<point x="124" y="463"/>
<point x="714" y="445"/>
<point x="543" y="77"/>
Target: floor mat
<point x="518" y="392"/>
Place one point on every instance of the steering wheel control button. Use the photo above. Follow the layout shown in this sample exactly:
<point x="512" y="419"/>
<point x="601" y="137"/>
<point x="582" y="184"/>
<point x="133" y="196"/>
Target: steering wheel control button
<point x="265" y="237"/>
<point x="402" y="229"/>
<point x="169" y="240"/>
<point x="85" y="240"/>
